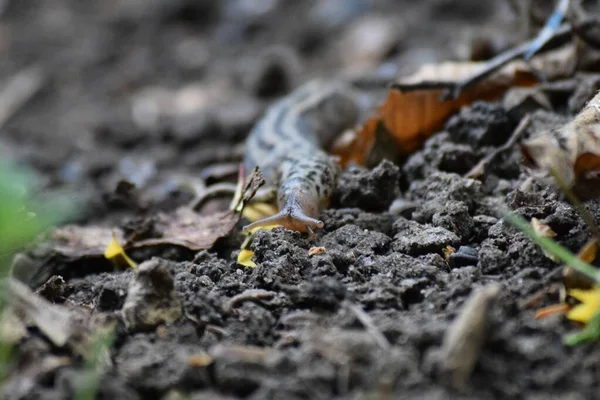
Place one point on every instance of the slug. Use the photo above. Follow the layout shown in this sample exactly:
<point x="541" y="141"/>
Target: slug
<point x="288" y="145"/>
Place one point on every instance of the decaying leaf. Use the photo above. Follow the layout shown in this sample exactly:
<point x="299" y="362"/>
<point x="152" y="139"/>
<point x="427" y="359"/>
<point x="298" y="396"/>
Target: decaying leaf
<point x="83" y="241"/>
<point x="576" y="280"/>
<point x="116" y="254"/>
<point x="54" y="321"/>
<point x="313" y="251"/>
<point x="544" y="231"/>
<point x="415" y="107"/>
<point x="182" y="227"/>
<point x="571" y="153"/>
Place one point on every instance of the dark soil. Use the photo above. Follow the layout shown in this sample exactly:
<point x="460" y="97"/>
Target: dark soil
<point x="156" y="93"/>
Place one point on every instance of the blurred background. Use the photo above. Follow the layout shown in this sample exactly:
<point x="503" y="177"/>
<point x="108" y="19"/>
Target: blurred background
<point x="94" y="92"/>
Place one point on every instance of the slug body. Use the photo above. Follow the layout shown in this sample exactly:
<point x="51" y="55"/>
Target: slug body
<point x="288" y="146"/>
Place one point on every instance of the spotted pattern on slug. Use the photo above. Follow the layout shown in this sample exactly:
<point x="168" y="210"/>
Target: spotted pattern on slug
<point x="288" y="145"/>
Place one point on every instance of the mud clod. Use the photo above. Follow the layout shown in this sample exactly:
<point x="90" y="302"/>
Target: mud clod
<point x="481" y="124"/>
<point x="372" y="190"/>
<point x="151" y="299"/>
<point x="415" y="239"/>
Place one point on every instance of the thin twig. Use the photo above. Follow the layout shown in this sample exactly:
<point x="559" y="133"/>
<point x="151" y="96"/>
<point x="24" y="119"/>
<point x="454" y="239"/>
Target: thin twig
<point x="466" y="335"/>
<point x="479" y="170"/>
<point x="558" y="36"/>
<point x="370" y="327"/>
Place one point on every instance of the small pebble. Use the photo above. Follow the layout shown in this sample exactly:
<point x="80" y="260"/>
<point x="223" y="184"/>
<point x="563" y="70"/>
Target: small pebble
<point x="464" y="256"/>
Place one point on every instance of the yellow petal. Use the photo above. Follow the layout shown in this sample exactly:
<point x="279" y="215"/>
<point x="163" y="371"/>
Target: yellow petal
<point x="586" y="296"/>
<point x="114" y="252"/>
<point x="257" y="211"/>
<point x="581" y="313"/>
<point x="590" y="304"/>
<point x="245" y="258"/>
<point x="266" y="227"/>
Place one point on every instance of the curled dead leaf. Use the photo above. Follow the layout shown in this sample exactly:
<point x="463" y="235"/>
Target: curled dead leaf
<point x="417" y="106"/>
<point x="571" y="153"/>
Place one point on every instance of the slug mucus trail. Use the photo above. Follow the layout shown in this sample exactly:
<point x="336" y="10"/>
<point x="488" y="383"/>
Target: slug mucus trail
<point x="288" y="144"/>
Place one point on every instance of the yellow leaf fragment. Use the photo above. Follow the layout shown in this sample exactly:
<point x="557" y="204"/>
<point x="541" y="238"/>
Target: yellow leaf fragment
<point x="257" y="211"/>
<point x="116" y="254"/>
<point x="448" y="251"/>
<point x="590" y="304"/>
<point x="200" y="360"/>
<point x="245" y="258"/>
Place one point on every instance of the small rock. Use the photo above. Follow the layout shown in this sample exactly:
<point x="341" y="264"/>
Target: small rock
<point x="446" y="186"/>
<point x="153" y="367"/>
<point x="372" y="190"/>
<point x="455" y="217"/>
<point x="336" y="218"/>
<point x="151" y="299"/>
<point x="480" y="124"/>
<point x="415" y="239"/>
<point x="464" y="256"/>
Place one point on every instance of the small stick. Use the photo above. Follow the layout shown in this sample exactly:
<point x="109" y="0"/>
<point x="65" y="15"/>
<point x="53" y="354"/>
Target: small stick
<point x="479" y="170"/>
<point x="370" y="327"/>
<point x="254" y="295"/>
<point x="559" y="35"/>
<point x="465" y="337"/>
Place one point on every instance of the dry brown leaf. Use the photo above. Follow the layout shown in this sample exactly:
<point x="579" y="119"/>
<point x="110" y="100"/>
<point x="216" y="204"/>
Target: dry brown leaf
<point x="572" y="153"/>
<point x="83" y="241"/>
<point x="573" y="279"/>
<point x="186" y="228"/>
<point x="415" y="109"/>
<point x="544" y="230"/>
<point x="183" y="227"/>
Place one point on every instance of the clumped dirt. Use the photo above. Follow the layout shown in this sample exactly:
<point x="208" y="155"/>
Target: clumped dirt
<point x="142" y="99"/>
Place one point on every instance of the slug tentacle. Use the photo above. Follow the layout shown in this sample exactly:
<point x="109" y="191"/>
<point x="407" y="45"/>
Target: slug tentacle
<point x="289" y="219"/>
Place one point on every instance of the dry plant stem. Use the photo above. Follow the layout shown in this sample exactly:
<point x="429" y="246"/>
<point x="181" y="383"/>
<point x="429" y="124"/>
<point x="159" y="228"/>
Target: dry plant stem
<point x="213" y="191"/>
<point x="367" y="322"/>
<point x="479" y="170"/>
<point x="561" y="34"/>
<point x="583" y="213"/>
<point x="254" y="295"/>
<point x="465" y="337"/>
